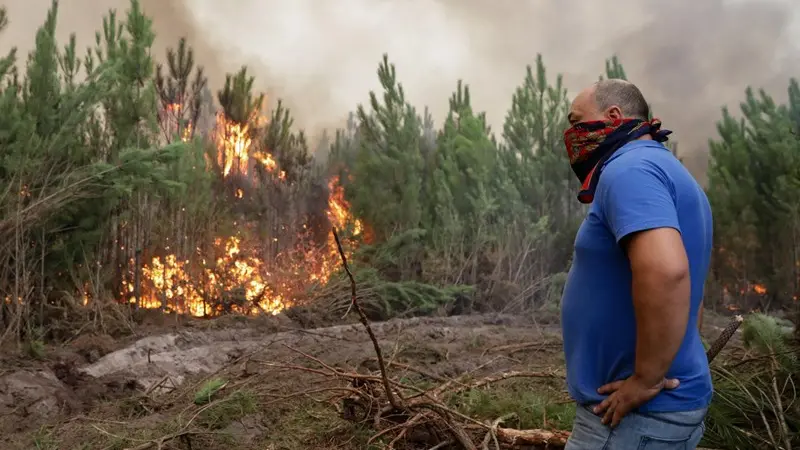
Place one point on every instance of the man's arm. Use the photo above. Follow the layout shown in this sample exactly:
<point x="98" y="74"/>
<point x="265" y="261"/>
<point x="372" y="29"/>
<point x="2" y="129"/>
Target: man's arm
<point x="661" y="299"/>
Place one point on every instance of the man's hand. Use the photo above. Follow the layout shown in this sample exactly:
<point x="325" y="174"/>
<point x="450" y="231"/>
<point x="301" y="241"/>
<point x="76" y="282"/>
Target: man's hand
<point x="627" y="395"/>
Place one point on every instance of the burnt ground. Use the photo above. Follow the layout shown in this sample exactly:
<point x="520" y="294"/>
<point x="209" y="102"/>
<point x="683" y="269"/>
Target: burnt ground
<point x="271" y="381"/>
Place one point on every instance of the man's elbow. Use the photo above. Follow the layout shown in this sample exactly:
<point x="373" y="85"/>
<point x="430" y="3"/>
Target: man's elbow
<point x="663" y="291"/>
<point x="675" y="275"/>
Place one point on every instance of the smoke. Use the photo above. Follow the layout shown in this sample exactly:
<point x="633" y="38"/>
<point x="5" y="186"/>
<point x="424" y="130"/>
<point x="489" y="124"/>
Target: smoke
<point x="690" y="57"/>
<point x="85" y="17"/>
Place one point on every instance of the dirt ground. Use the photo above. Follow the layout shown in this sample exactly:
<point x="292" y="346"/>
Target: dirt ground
<point x="101" y="393"/>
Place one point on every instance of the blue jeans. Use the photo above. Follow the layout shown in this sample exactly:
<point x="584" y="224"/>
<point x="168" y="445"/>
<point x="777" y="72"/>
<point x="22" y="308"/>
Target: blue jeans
<point x="638" y="431"/>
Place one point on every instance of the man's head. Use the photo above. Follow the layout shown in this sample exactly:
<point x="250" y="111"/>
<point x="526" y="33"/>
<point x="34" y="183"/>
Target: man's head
<point x="609" y="100"/>
<point x="603" y="118"/>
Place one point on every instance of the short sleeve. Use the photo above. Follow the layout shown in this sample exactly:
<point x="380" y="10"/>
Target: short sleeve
<point x="635" y="198"/>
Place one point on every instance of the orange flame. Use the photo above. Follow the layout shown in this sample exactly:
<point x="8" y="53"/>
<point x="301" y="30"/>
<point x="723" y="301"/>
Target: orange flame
<point x="239" y="282"/>
<point x="233" y="142"/>
<point x="235" y="282"/>
<point x="173" y="121"/>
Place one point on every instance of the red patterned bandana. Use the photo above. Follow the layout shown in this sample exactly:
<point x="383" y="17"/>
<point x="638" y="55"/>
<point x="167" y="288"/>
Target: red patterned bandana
<point x="590" y="144"/>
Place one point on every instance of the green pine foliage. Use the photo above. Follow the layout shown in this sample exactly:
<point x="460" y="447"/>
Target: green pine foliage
<point x="81" y="165"/>
<point x="389" y="162"/>
<point x="754" y="181"/>
<point x="755" y="399"/>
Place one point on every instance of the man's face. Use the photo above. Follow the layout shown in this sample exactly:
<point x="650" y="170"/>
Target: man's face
<point x="584" y="109"/>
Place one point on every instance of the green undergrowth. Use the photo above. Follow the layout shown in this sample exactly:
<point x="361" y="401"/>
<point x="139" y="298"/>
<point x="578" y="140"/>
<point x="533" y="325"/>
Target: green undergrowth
<point x="224" y="412"/>
<point x="755" y="402"/>
<point x="207" y="390"/>
<point x="309" y="424"/>
<point x="534" y="404"/>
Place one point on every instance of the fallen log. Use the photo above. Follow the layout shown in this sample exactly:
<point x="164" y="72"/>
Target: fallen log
<point x="514" y="437"/>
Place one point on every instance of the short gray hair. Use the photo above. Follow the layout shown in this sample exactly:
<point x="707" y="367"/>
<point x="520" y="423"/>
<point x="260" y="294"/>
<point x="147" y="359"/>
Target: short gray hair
<point x="623" y="94"/>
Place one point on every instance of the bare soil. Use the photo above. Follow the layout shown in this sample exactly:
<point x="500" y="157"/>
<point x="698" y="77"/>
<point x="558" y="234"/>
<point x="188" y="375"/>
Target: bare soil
<point x="102" y="393"/>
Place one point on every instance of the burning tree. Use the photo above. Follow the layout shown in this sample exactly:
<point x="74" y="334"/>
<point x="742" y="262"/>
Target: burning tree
<point x="237" y="124"/>
<point x="182" y="102"/>
<point x="268" y="241"/>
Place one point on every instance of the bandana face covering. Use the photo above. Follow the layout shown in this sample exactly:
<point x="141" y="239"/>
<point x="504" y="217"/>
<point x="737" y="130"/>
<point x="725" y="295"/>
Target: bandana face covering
<point x="590" y="144"/>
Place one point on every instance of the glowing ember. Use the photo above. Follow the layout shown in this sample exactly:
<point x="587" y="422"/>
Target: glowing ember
<point x="268" y="161"/>
<point x="187" y="133"/>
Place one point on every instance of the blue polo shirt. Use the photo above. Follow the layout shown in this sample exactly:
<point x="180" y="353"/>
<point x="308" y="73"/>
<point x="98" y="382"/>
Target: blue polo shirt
<point x="643" y="186"/>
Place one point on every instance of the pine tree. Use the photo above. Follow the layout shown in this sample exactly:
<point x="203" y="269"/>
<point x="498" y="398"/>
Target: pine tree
<point x="291" y="193"/>
<point x="754" y="181"/>
<point x="344" y="151"/>
<point x="614" y="69"/>
<point x="241" y="109"/>
<point x="461" y="198"/>
<point x="51" y="119"/>
<point x="288" y="147"/>
<point x="9" y="96"/>
<point x="238" y="102"/>
<point x="131" y="109"/>
<point x="389" y="166"/>
<point x="465" y="158"/>
<point x="42" y="91"/>
<point x="181" y="100"/>
<point x="536" y="159"/>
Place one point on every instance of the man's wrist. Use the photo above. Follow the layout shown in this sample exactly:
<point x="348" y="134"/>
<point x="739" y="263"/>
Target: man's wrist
<point x="647" y="380"/>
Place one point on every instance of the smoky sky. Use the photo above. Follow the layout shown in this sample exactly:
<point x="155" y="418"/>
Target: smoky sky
<point x="689" y="57"/>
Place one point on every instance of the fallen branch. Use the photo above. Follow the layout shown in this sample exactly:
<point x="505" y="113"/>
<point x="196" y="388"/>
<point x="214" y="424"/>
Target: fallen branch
<point x="363" y="318"/>
<point x="417" y="370"/>
<point x="504" y="376"/>
<point x="160" y="442"/>
<point x="514" y="348"/>
<point x="554" y="439"/>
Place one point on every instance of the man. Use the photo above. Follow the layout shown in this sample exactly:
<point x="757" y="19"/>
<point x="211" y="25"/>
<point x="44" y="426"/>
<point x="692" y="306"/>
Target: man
<point x="635" y="366"/>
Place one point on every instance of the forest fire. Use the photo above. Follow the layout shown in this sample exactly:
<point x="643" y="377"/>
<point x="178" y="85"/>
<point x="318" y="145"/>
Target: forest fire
<point x="232" y="275"/>
<point x="173" y="122"/>
<point x="233" y="278"/>
<point x="754" y="290"/>
<point x="233" y="144"/>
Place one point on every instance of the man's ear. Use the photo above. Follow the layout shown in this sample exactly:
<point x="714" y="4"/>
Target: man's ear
<point x="614" y="113"/>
